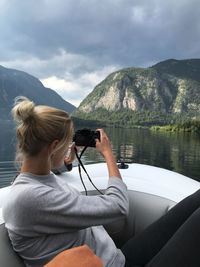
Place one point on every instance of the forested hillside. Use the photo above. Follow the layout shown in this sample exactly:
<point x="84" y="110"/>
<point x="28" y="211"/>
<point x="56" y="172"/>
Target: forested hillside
<point x="166" y="93"/>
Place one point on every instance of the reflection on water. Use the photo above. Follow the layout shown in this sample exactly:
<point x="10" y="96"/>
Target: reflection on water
<point x="173" y="151"/>
<point x="179" y="152"/>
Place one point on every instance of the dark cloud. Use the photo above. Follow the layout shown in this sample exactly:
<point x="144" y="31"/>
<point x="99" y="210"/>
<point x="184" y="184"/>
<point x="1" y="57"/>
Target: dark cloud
<point x="111" y="31"/>
<point x="54" y="37"/>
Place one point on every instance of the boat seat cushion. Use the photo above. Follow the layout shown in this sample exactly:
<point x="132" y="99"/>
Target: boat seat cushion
<point x="8" y="257"/>
<point x="144" y="209"/>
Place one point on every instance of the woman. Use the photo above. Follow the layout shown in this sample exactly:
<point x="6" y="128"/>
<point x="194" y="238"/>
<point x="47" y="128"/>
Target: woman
<point x="44" y="216"/>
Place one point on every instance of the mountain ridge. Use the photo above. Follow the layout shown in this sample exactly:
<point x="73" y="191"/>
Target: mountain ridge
<point x="14" y="83"/>
<point x="170" y="87"/>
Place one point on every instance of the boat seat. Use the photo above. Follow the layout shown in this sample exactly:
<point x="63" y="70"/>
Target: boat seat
<point x="8" y="257"/>
<point x="144" y="209"/>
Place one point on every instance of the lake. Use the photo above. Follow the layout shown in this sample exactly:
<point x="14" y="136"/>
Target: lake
<point x="179" y="152"/>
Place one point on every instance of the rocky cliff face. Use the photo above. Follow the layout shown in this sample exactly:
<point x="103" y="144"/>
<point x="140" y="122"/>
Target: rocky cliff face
<point x="170" y="86"/>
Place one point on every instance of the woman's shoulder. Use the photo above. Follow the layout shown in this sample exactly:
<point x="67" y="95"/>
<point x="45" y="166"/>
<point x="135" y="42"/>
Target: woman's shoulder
<point x="28" y="186"/>
<point x="27" y="193"/>
<point x="29" y="181"/>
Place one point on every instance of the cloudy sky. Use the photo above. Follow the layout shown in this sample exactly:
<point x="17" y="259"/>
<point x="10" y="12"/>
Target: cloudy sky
<point x="72" y="45"/>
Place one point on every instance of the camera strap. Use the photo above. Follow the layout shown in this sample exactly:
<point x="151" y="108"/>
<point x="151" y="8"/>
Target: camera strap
<point x="79" y="168"/>
<point x="80" y="164"/>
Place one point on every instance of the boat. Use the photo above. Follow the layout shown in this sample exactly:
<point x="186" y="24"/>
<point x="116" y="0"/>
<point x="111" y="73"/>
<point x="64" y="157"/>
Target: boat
<point x="152" y="192"/>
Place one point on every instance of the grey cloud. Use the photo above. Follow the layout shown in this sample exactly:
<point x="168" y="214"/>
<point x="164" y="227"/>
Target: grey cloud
<point x="126" y="33"/>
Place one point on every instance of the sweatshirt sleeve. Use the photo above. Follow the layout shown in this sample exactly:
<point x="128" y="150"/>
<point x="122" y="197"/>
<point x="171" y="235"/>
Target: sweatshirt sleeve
<point x="53" y="211"/>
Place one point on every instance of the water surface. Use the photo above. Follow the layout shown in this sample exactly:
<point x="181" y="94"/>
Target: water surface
<point x="179" y="152"/>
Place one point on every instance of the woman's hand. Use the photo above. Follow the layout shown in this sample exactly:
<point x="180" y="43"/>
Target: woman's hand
<point x="103" y="146"/>
<point x="72" y="154"/>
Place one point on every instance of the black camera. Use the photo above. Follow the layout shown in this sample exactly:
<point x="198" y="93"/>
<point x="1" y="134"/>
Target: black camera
<point x="86" y="137"/>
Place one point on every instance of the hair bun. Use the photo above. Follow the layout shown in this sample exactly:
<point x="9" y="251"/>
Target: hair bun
<point x="23" y="109"/>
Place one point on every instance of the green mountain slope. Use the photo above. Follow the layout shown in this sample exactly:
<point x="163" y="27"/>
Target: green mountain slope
<point x="186" y="69"/>
<point x="14" y="83"/>
<point x="167" y="92"/>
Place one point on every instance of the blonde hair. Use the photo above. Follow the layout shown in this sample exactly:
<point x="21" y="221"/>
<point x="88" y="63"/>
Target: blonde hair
<point x="39" y="126"/>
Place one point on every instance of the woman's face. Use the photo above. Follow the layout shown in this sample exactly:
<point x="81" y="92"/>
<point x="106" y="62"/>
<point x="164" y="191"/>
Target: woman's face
<point x="59" y="156"/>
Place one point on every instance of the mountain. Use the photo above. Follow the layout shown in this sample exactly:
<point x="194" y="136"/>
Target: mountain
<point x="14" y="83"/>
<point x="169" y="89"/>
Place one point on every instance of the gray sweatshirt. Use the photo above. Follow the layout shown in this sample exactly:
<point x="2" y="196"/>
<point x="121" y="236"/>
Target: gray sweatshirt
<point x="45" y="216"/>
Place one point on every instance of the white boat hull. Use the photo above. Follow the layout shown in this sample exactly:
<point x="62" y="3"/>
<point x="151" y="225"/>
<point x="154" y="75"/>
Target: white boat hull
<point x="139" y="177"/>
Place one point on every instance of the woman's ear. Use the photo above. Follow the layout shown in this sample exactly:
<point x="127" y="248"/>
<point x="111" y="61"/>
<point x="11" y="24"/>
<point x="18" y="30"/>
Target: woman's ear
<point x="53" y="146"/>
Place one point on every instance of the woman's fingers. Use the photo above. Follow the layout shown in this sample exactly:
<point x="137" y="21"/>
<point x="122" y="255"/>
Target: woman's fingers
<point x="103" y="146"/>
<point x="72" y="154"/>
